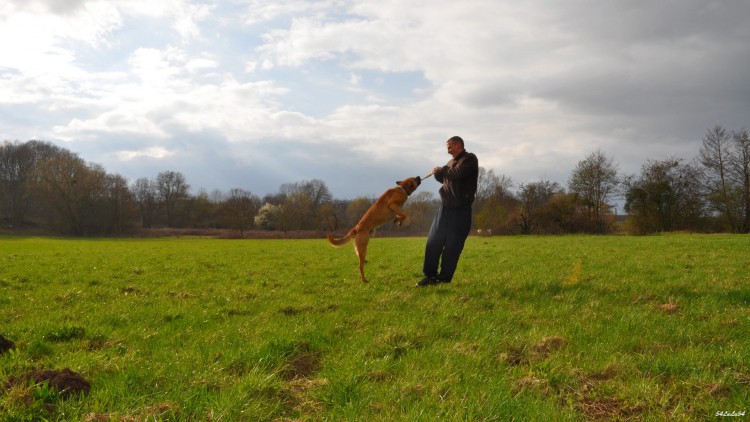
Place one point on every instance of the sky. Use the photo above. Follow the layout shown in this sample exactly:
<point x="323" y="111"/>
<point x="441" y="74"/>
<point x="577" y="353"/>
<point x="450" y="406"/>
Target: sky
<point x="253" y="94"/>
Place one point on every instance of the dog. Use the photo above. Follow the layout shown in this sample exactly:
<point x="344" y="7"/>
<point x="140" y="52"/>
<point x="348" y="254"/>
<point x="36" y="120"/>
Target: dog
<point x="386" y="208"/>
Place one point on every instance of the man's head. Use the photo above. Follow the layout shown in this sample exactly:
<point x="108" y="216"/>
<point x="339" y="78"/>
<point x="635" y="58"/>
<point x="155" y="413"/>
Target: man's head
<point x="455" y="146"/>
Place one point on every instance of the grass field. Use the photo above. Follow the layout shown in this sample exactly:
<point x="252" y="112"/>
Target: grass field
<point x="533" y="328"/>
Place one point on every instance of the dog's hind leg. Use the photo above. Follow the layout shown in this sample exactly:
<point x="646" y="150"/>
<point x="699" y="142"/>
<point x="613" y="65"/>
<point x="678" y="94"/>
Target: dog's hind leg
<point x="360" y="248"/>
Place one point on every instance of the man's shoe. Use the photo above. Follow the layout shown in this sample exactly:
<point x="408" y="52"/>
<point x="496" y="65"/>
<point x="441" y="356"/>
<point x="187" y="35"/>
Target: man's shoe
<point x="428" y="281"/>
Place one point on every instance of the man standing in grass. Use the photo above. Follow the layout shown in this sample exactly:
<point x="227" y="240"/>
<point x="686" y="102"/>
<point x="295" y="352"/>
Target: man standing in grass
<point x="452" y="224"/>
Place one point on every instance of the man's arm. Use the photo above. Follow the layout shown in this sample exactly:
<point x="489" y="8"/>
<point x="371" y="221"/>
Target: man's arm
<point x="466" y="166"/>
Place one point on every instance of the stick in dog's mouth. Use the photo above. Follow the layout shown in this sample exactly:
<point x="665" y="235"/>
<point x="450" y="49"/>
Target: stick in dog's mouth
<point x="427" y="176"/>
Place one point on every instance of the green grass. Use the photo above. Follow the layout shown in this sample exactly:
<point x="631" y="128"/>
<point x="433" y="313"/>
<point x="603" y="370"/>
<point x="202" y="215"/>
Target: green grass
<point x="533" y="328"/>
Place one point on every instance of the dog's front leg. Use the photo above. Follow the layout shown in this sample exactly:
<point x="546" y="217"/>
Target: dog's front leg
<point x="400" y="216"/>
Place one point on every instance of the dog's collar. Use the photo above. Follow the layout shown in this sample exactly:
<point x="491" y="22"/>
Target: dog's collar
<point x="405" y="191"/>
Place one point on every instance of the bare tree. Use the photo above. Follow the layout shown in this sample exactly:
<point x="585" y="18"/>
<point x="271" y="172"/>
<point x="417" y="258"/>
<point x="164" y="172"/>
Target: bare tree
<point x="595" y="182"/>
<point x="239" y="208"/>
<point x="73" y="189"/>
<point x="18" y="163"/>
<point x="665" y="196"/>
<point x="717" y="159"/>
<point x="171" y="189"/>
<point x="489" y="185"/>
<point x="741" y="171"/>
<point x="328" y="216"/>
<point x="301" y="205"/>
<point x="493" y="200"/>
<point x="534" y="197"/>
<point x="201" y="211"/>
<point x="144" y="192"/>
<point x="117" y="207"/>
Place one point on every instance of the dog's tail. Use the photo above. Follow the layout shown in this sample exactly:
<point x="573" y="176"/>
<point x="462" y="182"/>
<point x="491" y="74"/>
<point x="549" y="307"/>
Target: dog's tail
<point x="341" y="241"/>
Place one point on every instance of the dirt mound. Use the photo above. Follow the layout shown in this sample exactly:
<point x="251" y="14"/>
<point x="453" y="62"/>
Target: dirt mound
<point x="65" y="382"/>
<point x="6" y="344"/>
<point x="302" y="366"/>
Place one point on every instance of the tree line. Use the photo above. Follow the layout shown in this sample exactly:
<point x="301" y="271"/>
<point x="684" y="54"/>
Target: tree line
<point x="49" y="187"/>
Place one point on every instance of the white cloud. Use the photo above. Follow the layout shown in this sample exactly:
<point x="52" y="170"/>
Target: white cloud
<point x="159" y="98"/>
<point x="202" y="62"/>
<point x="118" y="121"/>
<point x="33" y="41"/>
<point x="187" y="18"/>
<point x="532" y="86"/>
<point x="262" y="11"/>
<point x="151" y="152"/>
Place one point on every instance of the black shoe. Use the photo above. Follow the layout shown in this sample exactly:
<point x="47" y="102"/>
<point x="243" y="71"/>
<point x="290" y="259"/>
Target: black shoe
<point x="428" y="281"/>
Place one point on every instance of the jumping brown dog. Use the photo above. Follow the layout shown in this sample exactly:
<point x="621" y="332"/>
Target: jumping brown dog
<point x="385" y="209"/>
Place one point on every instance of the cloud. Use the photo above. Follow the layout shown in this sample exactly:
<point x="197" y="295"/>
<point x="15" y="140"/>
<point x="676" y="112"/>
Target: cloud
<point x="306" y="89"/>
<point x="187" y="20"/>
<point x="158" y="96"/>
<point x="151" y="152"/>
<point x="261" y="11"/>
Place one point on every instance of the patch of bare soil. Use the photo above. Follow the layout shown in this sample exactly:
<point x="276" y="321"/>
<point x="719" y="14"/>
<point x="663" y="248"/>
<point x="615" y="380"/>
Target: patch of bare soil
<point x="535" y="352"/>
<point x="298" y="374"/>
<point x="607" y="408"/>
<point x="531" y="383"/>
<point x="302" y="365"/>
<point x="585" y="393"/>
<point x="669" y="308"/>
<point x="303" y="399"/>
<point x="549" y="345"/>
<point x="66" y="382"/>
<point x="6" y="345"/>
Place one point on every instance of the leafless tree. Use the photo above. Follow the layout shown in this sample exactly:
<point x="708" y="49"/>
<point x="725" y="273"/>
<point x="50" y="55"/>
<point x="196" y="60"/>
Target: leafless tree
<point x="301" y="205"/>
<point x="666" y="196"/>
<point x="717" y="159"/>
<point x="595" y="181"/>
<point x="73" y="190"/>
<point x="239" y="208"/>
<point x="534" y="197"/>
<point x="201" y="211"/>
<point x="741" y="170"/>
<point x="171" y="189"/>
<point x="118" y="206"/>
<point x="18" y="164"/>
<point x="144" y="193"/>
<point x="494" y="201"/>
<point x="725" y="159"/>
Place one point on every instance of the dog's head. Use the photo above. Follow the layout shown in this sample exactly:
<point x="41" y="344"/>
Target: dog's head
<point x="410" y="184"/>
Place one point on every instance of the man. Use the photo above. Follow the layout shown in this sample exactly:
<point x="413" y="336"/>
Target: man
<point x="452" y="224"/>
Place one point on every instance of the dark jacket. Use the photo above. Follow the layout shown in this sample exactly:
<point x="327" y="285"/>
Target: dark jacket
<point x="459" y="179"/>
